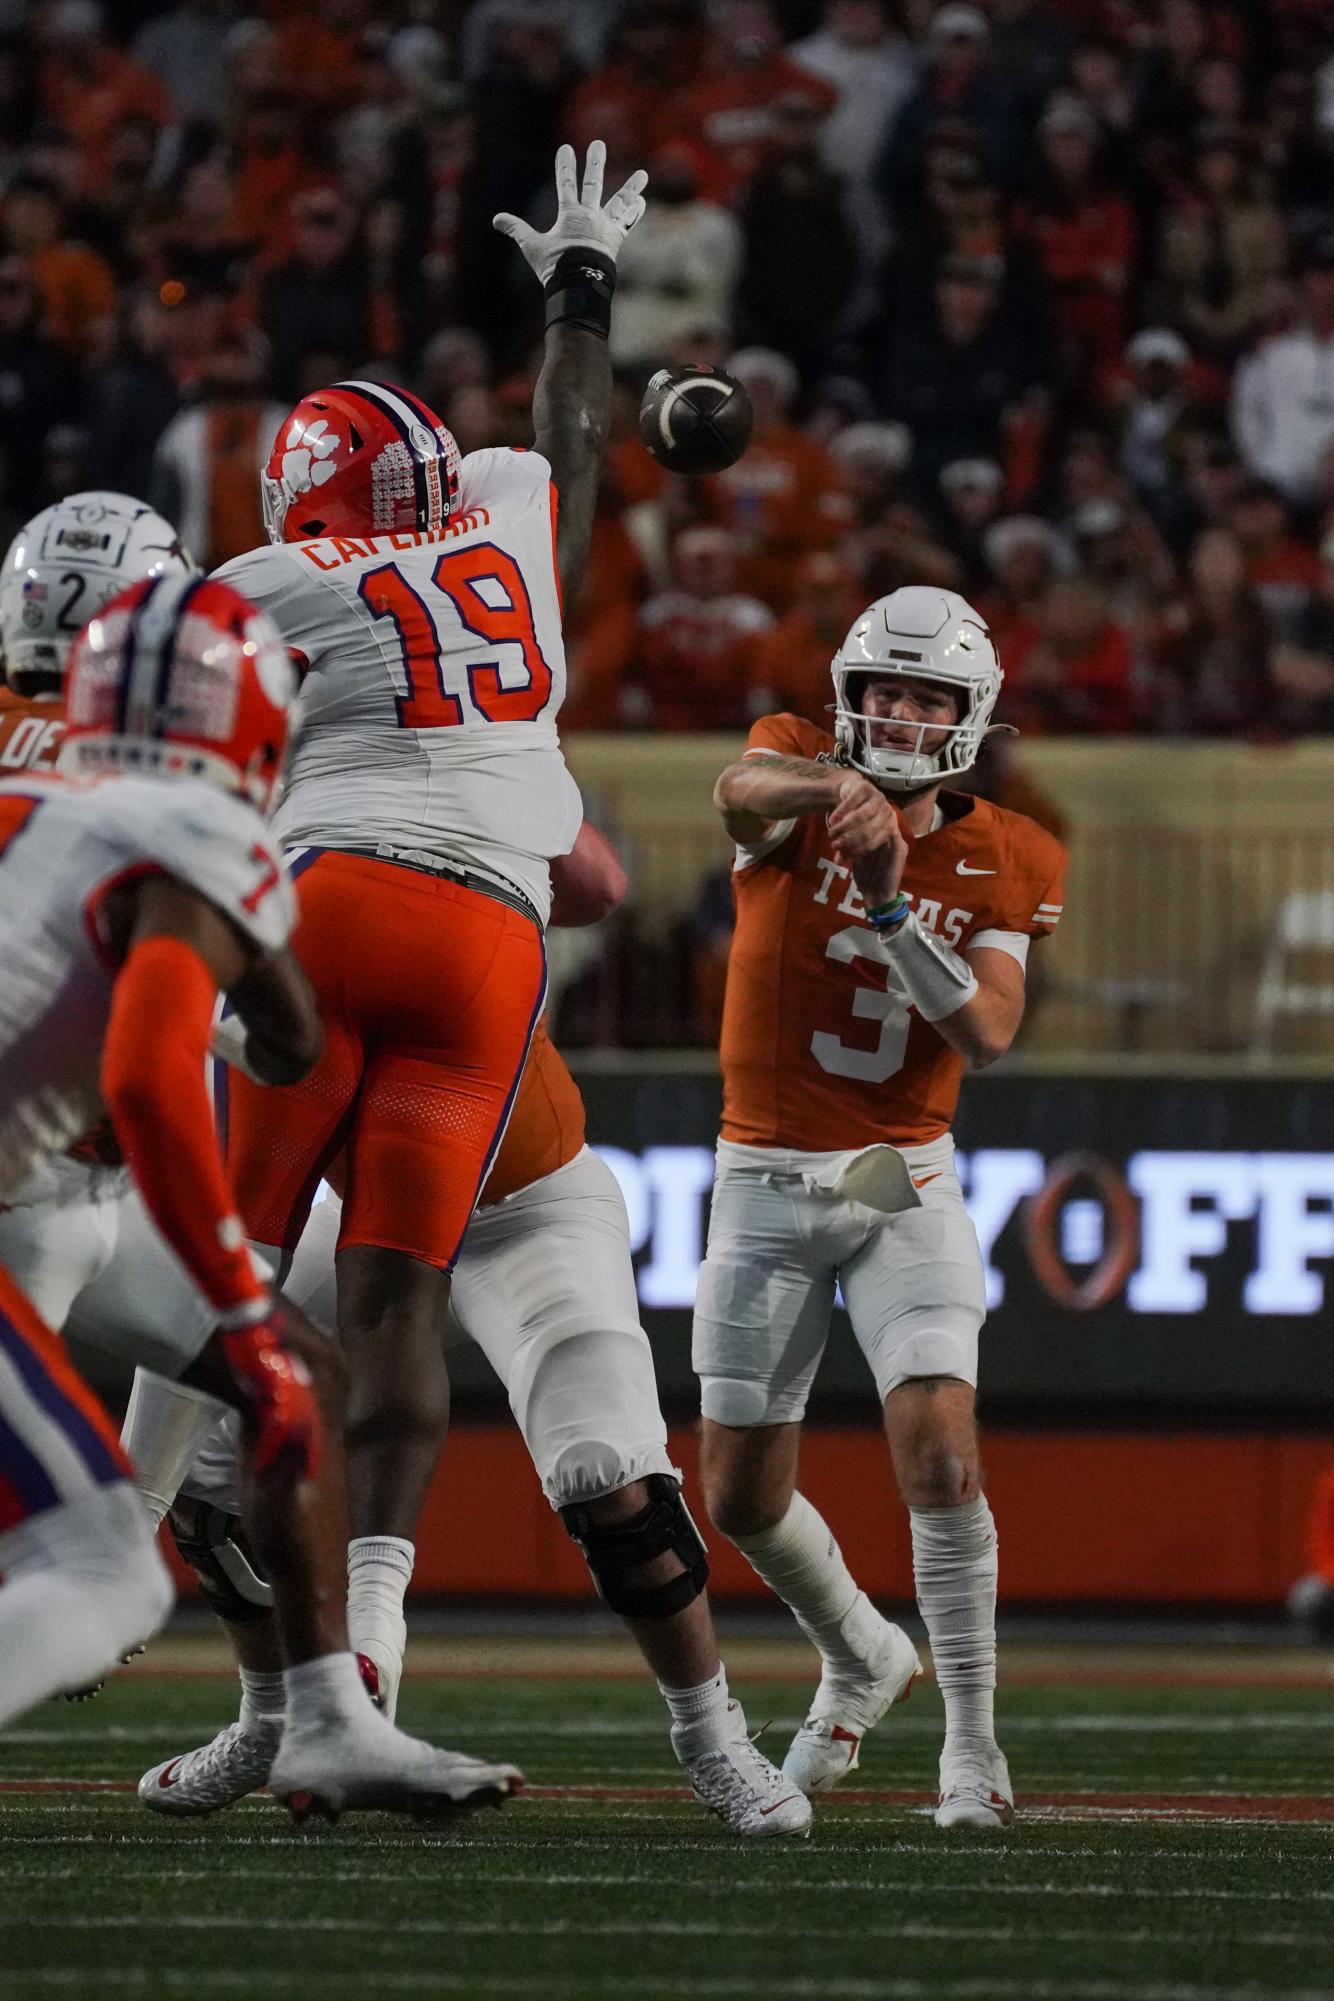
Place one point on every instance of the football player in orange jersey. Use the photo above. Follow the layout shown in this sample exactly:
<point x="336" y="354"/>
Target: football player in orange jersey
<point x="883" y="926"/>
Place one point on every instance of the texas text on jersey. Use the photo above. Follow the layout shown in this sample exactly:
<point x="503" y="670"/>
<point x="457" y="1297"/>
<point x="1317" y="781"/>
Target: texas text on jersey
<point x="436" y="669"/>
<point x="819" y="1048"/>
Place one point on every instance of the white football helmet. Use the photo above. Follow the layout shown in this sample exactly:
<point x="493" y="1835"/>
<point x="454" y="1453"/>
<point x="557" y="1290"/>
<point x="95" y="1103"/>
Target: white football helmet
<point x="929" y="635"/>
<point x="63" y="566"/>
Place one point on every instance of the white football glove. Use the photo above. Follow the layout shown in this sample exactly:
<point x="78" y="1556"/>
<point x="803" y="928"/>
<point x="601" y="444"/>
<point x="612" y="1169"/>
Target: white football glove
<point x="582" y="223"/>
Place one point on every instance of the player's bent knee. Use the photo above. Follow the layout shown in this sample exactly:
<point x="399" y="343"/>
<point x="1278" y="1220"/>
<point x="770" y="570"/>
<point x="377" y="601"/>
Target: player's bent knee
<point x="939" y="1478"/>
<point x="214" y="1545"/>
<point x="616" y="1552"/>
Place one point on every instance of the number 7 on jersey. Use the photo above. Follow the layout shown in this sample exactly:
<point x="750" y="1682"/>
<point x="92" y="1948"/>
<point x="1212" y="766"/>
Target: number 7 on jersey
<point x="479" y="593"/>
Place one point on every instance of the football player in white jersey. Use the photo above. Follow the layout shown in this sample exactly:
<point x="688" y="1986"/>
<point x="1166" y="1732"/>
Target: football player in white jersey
<point x="61" y="567"/>
<point x="425" y="802"/>
<point x="131" y="892"/>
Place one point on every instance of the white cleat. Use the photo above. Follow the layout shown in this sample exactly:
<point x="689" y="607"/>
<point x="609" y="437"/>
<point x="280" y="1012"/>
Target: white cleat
<point x="975" y="1792"/>
<point x="737" y="1782"/>
<point x="214" y="1776"/>
<point x="848" y="1704"/>
<point x="340" y="1764"/>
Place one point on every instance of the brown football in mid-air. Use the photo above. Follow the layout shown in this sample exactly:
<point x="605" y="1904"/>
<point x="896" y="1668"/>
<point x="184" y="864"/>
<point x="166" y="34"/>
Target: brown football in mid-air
<point x="695" y="419"/>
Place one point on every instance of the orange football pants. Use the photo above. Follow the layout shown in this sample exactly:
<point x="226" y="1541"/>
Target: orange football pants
<point x="430" y="993"/>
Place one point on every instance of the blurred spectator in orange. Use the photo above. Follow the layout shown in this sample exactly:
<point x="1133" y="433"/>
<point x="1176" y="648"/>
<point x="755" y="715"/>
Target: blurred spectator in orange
<point x="1076" y="676"/>
<point x="799" y="259"/>
<point x="694" y="660"/>
<point x="318" y="295"/>
<point x="205" y="475"/>
<point x="88" y="85"/>
<point x="734" y="105"/>
<point x="679" y="267"/>
<point x="1282" y="566"/>
<point x="76" y="285"/>
<point x="317" y="46"/>
<point x="1283" y="402"/>
<point x="1214" y="643"/>
<point x="791" y="661"/>
<point x="1085" y="236"/>
<point x="1221" y="250"/>
<point x="972" y="492"/>
<point x="38" y="386"/>
<point x="272" y="159"/>
<point x="657" y="51"/>
<point x="782" y="497"/>
<point x="601" y="629"/>
<point x="962" y="377"/>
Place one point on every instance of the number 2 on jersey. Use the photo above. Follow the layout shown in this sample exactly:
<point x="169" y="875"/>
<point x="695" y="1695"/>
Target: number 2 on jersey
<point x="485" y="591"/>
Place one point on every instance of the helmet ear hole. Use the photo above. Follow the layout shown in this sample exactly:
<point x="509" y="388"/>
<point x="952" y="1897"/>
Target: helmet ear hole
<point x="355" y="435"/>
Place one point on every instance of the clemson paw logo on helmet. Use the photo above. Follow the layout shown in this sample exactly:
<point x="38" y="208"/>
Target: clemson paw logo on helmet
<point x="308" y="455"/>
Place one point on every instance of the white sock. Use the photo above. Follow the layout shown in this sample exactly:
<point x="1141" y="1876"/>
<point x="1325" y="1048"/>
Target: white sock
<point x="263" y="1701"/>
<point x="708" y="1703"/>
<point x="799" y="1559"/>
<point x="954" y="1566"/>
<point x="379" y="1571"/>
<point x="326" y="1690"/>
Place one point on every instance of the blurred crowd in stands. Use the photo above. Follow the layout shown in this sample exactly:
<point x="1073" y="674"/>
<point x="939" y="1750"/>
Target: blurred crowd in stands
<point x="1034" y="298"/>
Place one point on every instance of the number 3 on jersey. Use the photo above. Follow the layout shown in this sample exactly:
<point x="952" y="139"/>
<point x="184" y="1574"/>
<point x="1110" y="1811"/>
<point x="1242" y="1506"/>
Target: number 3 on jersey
<point x="843" y="1059"/>
<point x="484" y="591"/>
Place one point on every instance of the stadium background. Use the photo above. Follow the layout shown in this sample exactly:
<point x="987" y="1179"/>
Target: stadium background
<point x="1033" y="301"/>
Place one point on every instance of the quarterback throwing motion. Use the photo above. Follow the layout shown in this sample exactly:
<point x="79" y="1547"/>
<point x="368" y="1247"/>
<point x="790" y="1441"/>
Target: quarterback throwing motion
<point x="883" y="927"/>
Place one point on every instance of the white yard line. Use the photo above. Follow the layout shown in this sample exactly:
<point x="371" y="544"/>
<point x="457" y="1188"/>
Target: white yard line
<point x="667" y="1928"/>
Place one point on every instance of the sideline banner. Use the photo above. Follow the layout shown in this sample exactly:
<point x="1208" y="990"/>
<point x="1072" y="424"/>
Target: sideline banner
<point x="1154" y="1246"/>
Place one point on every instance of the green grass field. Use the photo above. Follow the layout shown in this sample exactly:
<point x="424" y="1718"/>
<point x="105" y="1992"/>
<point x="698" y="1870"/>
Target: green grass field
<point x="1178" y="1844"/>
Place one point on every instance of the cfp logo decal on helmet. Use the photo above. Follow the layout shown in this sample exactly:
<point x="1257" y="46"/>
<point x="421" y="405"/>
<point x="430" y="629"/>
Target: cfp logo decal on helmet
<point x="308" y="458"/>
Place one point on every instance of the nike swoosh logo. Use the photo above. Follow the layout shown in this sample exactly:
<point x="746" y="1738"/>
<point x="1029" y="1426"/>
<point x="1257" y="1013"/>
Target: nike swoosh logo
<point x="765" y="1811"/>
<point x="168" y="1776"/>
<point x="925" y="1178"/>
<point x="962" y="868"/>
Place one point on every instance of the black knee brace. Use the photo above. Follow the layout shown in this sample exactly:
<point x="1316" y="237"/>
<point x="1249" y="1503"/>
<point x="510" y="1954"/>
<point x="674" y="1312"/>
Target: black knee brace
<point x="613" y="1550"/>
<point x="213" y="1543"/>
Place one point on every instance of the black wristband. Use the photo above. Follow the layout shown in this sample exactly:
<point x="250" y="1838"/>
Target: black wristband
<point x="578" y="292"/>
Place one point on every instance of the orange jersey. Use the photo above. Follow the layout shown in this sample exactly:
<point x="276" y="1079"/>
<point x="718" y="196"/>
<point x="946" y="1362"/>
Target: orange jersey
<point x="819" y="1052"/>
<point x="546" y="1127"/>
<point x="30" y="733"/>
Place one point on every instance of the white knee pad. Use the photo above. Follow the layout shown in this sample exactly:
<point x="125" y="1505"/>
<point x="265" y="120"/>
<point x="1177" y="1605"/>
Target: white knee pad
<point x="587" y="1404"/>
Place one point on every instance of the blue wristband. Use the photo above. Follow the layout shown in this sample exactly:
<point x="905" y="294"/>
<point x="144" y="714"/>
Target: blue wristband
<point x="888" y="916"/>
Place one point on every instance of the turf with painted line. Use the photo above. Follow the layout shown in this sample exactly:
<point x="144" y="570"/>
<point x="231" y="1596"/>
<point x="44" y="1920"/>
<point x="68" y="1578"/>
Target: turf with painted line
<point x="586" y="1896"/>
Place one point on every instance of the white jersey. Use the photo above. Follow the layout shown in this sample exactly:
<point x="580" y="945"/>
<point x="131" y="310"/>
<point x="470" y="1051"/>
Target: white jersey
<point x="436" y="668"/>
<point x="63" y="846"/>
